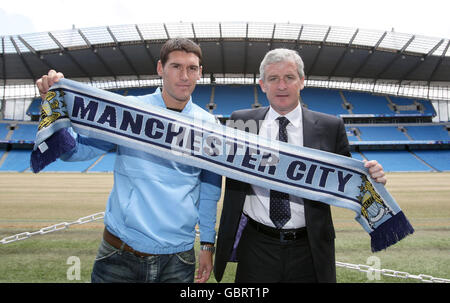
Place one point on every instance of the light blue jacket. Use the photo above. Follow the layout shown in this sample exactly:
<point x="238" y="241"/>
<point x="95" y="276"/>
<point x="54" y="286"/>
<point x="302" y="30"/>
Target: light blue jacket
<point x="155" y="204"/>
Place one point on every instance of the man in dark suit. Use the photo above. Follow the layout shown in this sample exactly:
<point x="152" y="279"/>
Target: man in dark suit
<point x="276" y="237"/>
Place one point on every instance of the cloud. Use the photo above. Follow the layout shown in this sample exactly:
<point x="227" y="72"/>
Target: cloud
<point x="11" y="24"/>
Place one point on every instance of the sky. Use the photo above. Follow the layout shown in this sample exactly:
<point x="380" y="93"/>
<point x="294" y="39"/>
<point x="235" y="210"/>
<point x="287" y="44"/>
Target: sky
<point x="425" y="18"/>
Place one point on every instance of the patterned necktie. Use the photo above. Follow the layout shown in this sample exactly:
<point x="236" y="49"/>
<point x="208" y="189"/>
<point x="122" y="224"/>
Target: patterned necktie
<point x="280" y="210"/>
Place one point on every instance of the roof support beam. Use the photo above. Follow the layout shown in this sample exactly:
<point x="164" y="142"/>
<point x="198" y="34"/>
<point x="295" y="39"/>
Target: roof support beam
<point x="438" y="63"/>
<point x="69" y="55"/>
<point x="24" y="62"/>
<point x="396" y="57"/>
<point x="421" y="61"/>
<point x="311" y="68"/>
<point x="146" y="48"/>
<point x="94" y="50"/>
<point x="246" y="42"/>
<point x="347" y="49"/>
<point x="3" y="62"/>
<point x="36" y="53"/>
<point x="122" y="52"/>
<point x="371" y="51"/>
<point x="222" y="51"/>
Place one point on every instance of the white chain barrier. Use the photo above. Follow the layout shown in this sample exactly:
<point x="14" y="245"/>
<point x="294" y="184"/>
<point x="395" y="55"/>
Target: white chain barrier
<point x="391" y="273"/>
<point x="101" y="215"/>
<point x="56" y="227"/>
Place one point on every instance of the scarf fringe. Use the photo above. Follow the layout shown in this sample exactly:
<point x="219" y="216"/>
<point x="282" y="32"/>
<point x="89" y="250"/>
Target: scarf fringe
<point x="56" y="145"/>
<point x="390" y="232"/>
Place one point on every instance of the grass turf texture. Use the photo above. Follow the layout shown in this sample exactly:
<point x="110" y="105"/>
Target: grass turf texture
<point x="30" y="202"/>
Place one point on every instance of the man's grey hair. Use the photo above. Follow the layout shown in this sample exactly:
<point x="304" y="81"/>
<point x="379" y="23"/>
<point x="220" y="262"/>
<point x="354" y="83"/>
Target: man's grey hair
<point x="281" y="55"/>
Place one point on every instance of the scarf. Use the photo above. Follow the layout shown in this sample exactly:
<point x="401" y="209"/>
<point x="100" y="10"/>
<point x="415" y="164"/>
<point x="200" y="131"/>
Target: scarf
<point x="309" y="173"/>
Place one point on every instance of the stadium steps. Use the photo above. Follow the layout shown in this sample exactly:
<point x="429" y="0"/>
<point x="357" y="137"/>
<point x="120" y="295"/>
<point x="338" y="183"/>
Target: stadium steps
<point x="9" y="134"/>
<point x="392" y="105"/>
<point x="255" y="94"/>
<point x="424" y="162"/>
<point x="3" y="158"/>
<point x="405" y="132"/>
<point x="95" y="163"/>
<point x="211" y="105"/>
<point x="345" y="104"/>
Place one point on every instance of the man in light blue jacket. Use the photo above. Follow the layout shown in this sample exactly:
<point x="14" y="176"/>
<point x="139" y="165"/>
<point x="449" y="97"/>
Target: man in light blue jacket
<point x="155" y="204"/>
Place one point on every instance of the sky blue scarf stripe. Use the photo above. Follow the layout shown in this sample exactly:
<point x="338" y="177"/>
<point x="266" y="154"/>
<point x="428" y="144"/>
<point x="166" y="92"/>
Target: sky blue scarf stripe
<point x="309" y="173"/>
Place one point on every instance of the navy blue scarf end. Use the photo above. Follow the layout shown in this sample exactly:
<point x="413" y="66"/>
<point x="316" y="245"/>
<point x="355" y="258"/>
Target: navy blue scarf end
<point x="56" y="145"/>
<point x="390" y="232"/>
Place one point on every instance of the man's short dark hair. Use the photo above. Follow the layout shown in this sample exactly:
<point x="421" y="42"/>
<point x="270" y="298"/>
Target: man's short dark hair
<point x="179" y="44"/>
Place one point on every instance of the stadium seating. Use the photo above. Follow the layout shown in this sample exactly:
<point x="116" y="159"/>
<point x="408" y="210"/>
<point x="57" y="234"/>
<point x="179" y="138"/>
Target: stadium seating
<point x="106" y="164"/>
<point x="438" y="159"/>
<point x="26" y="132"/>
<point x="381" y="133"/>
<point x="397" y="160"/>
<point x="428" y="132"/>
<point x="323" y="100"/>
<point x="202" y="95"/>
<point x="4" y="129"/>
<point x="405" y="106"/>
<point x="364" y="103"/>
<point x="262" y="98"/>
<point x="230" y="98"/>
<point x="62" y="166"/>
<point x="16" y="160"/>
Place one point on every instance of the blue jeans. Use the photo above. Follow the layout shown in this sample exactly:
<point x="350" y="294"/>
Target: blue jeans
<point x="113" y="265"/>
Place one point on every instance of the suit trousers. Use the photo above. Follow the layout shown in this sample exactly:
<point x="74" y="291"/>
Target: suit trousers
<point x="264" y="259"/>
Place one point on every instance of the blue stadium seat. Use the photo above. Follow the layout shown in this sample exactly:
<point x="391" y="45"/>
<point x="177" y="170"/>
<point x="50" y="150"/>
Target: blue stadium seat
<point x="62" y="166"/>
<point x="381" y="133"/>
<point x="262" y="98"/>
<point x="25" y="132"/>
<point x="428" y="132"/>
<point x="140" y="91"/>
<point x="427" y="106"/>
<point x="106" y="164"/>
<point x="323" y="100"/>
<point x="439" y="159"/>
<point x="202" y="95"/>
<point x="396" y="160"/>
<point x="350" y="134"/>
<point x="357" y="155"/>
<point x="230" y="98"/>
<point x="364" y="103"/>
<point x="4" y="129"/>
<point x="16" y="160"/>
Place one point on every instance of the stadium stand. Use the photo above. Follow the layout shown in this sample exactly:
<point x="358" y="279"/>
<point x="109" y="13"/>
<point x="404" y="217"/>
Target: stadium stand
<point x="364" y="103"/>
<point x="61" y="166"/>
<point x="397" y="160"/>
<point x="324" y="100"/>
<point x="380" y="133"/>
<point x="428" y="132"/>
<point x="262" y="98"/>
<point x="412" y="107"/>
<point x="25" y="132"/>
<point x="202" y="96"/>
<point x="16" y="160"/>
<point x="386" y="143"/>
<point x="232" y="97"/>
<point x="105" y="163"/>
<point x="4" y="130"/>
<point x="438" y="159"/>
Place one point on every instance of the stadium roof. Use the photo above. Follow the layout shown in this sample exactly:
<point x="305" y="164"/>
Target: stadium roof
<point x="131" y="51"/>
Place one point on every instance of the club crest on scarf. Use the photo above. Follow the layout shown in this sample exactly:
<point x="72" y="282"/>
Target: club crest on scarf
<point x="373" y="209"/>
<point x="52" y="108"/>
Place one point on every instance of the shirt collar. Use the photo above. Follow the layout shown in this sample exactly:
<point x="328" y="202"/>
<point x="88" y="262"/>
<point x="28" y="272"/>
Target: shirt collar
<point x="160" y="101"/>
<point x="294" y="116"/>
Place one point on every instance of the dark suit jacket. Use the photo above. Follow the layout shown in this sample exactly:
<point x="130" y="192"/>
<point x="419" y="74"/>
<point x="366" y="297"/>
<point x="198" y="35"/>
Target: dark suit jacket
<point x="320" y="131"/>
